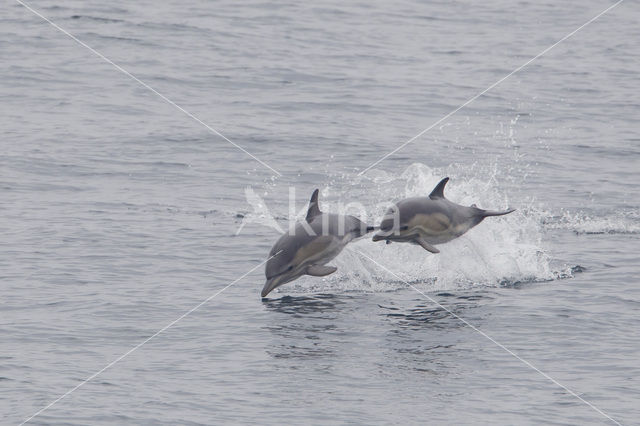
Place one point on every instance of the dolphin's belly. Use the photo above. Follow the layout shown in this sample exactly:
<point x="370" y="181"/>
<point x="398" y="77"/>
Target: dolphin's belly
<point x="322" y="250"/>
<point x="435" y="228"/>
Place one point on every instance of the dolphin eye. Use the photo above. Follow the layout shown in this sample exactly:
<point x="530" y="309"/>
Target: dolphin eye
<point x="290" y="268"/>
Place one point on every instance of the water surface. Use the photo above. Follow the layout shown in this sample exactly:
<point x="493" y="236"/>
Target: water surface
<point x="120" y="213"/>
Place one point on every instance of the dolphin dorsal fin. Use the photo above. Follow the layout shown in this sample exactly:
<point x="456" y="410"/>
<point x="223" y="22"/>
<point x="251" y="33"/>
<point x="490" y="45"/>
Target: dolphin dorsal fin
<point x="438" y="191"/>
<point x="314" y="210"/>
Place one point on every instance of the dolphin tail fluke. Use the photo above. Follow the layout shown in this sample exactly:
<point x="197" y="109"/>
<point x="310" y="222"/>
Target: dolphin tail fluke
<point x="487" y="213"/>
<point x="379" y="237"/>
<point x="382" y="235"/>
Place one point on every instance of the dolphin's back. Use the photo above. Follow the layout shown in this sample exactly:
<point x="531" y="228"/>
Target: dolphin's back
<point x="338" y="225"/>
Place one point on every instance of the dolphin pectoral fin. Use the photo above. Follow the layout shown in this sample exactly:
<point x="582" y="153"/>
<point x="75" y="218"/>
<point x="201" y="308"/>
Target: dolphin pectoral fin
<point x="425" y="245"/>
<point x="320" y="270"/>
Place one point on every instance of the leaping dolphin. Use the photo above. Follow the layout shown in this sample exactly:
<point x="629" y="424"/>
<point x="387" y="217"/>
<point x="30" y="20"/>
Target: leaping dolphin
<point x="310" y="245"/>
<point x="431" y="220"/>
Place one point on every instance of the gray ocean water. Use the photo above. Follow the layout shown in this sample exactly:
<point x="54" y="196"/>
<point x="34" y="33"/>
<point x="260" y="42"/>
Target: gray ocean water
<point x="119" y="213"/>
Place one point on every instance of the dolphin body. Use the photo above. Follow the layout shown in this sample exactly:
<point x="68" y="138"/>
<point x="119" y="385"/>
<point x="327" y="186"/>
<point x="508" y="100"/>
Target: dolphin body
<point x="310" y="245"/>
<point x="431" y="220"/>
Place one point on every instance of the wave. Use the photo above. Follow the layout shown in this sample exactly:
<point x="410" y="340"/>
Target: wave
<point x="620" y="222"/>
<point x="97" y="18"/>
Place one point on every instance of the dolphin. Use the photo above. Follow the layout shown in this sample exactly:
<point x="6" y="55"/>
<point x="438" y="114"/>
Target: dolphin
<point x="431" y="220"/>
<point x="305" y="249"/>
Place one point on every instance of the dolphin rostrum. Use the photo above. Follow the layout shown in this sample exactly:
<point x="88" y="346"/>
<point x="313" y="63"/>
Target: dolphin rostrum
<point x="431" y="220"/>
<point x="305" y="249"/>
